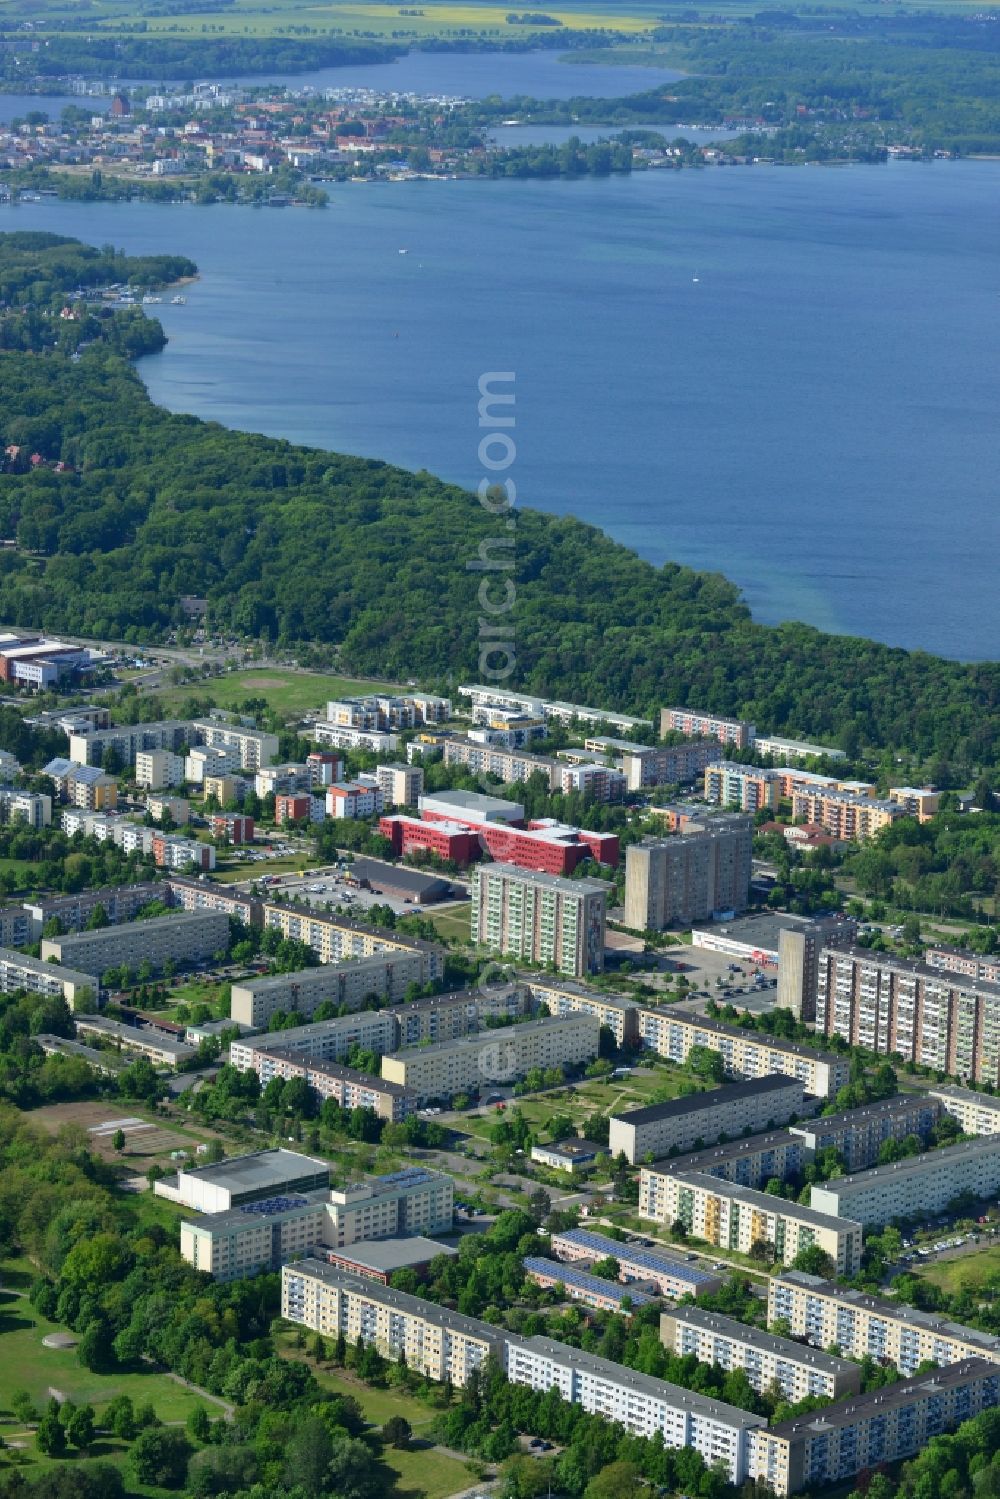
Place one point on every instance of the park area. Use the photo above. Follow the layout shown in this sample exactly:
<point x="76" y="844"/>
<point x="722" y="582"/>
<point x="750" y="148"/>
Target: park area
<point x="288" y="692"/>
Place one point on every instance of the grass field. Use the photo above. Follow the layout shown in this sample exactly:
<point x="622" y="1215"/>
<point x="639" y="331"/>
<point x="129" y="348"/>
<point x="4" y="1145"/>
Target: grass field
<point x="28" y="1365"/>
<point x="454" y="922"/>
<point x="143" y="1144"/>
<point x="242" y="872"/>
<point x="580" y="1100"/>
<point x="286" y="691"/>
<point x="967" y="1272"/>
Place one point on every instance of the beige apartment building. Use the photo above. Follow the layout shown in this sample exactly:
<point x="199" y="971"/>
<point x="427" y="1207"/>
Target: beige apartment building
<point x="701" y="1119"/>
<point x="735" y="1217"/>
<point x="440" y="1344"/>
<point x="863" y="1326"/>
<point x="751" y="1162"/>
<point x="477" y="1063"/>
<point x="976" y="1113"/>
<point x="347" y="983"/>
<point x="158" y="769"/>
<point x="254" y="747"/>
<point x="182" y="937"/>
<point x="843" y="814"/>
<point x="859" y="1134"/>
<point x="563" y="997"/>
<point x="765" y="1359"/>
<point x="540" y="918"/>
<point x="928" y="1015"/>
<point x="400" y="785"/>
<point x="18" y="971"/>
<point x="692" y="721"/>
<point x="689" y="876"/>
<point x="334" y="938"/>
<point x="672" y="1031"/>
<point x="833" y="1444"/>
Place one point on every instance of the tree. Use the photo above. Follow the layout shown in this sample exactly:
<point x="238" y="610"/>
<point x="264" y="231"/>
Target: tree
<point x="120" y="1416"/>
<point x="80" y="1428"/>
<point x="199" y="1425"/>
<point x="159" y="1457"/>
<point x="50" y="1437"/>
<point x="397" y="1431"/>
<point x="814" y="1261"/>
<point x="95" y="1349"/>
<point x="307" y="1456"/>
<point x="614" y="1481"/>
<point x="118" y="1140"/>
<point x="23" y="1407"/>
<point x="705" y="1063"/>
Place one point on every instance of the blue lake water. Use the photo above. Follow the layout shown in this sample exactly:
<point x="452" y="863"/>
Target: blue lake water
<point x="789" y="376"/>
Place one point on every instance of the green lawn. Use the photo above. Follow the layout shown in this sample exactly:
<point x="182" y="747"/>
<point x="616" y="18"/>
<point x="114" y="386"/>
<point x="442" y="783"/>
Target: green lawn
<point x="237" y="873"/>
<point x="426" y="1471"/>
<point x="455" y="922"/>
<point x="28" y="1365"/>
<point x="969" y="1272"/>
<point x="286" y="691"/>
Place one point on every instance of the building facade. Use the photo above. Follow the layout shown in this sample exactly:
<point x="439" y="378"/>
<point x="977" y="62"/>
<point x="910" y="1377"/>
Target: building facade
<point x="540" y="918"/>
<point x="475" y="1063"/>
<point x="765" y="1359"/>
<point x="700" y="1119"/>
<point x="345" y="984"/>
<point x="672" y="1031"/>
<point x="689" y="876"/>
<point x="916" y="1186"/>
<point x="691" y="721"/>
<point x="859" y="1134"/>
<point x="182" y="937"/>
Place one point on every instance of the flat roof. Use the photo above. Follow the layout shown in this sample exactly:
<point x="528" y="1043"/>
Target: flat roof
<point x="966" y="1095"/>
<point x="257" y="1169"/>
<point x="757" y="1038"/>
<point x="471" y="801"/>
<point x="879" y="1108"/>
<point x="948" y="978"/>
<point x="10" y="957"/>
<point x="914" y="1165"/>
<point x="479" y="1039"/>
<point x="398" y="875"/>
<point x="547" y="881"/>
<point x="756" y="1337"/>
<point x="153" y="924"/>
<point x="766" y="1202"/>
<point x="626" y="1378"/>
<point x="693" y="1103"/>
<point x="890" y="1397"/>
<point x="554" y="985"/>
<point x="895" y="1311"/>
<point x="762" y="931"/>
<point x="716" y="1155"/>
<point x="634" y="1254"/>
<point x="304" y="975"/>
<point x="125" y="1033"/>
<point x="400" y="1301"/>
<point x="571" y="1275"/>
<point x="270" y="1209"/>
<point x="333" y="1069"/>
<point x="348" y="924"/>
<point x="571" y="1149"/>
<point x="387" y="1255"/>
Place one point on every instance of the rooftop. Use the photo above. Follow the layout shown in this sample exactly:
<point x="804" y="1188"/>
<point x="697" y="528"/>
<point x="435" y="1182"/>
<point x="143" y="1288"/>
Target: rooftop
<point x="763" y="931"/>
<point x="914" y="1165"/>
<point x="896" y="1311"/>
<point x="766" y="1203"/>
<point x="551" y="983"/>
<point x="10" y="956"/>
<point x="257" y="1169"/>
<point x="633" y="1254"/>
<point x="146" y="1035"/>
<point x="268" y="1209"/>
<point x="930" y="973"/>
<point x="717" y="1155"/>
<point x="881" y="1108"/>
<point x="473" y="802"/>
<point x="387" y="1255"/>
<point x="712" y="1098"/>
<point x="741" y="1332"/>
<point x="400" y="1301"/>
<point x="758" y="1038"/>
<point x="891" y="1397"/>
<point x="348" y="924"/>
<point x="570" y="1275"/>
<point x="625" y="1378"/>
<point x="546" y="881"/>
<point x="573" y="1149"/>
<point x="966" y="1095"/>
<point x="173" y="920"/>
<point x="496" y="1037"/>
<point x="333" y="1070"/>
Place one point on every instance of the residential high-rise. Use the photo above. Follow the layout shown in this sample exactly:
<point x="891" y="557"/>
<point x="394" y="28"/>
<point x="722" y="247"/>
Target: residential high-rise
<point x="798" y="960"/>
<point x="689" y="876"/>
<point x="928" y="1015"/>
<point x="540" y="918"/>
<point x="693" y="721"/>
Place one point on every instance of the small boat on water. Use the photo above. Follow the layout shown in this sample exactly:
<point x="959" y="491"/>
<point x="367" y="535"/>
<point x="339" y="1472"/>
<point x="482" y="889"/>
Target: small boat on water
<point x="178" y="301"/>
<point x="404" y="252"/>
<point x="151" y="301"/>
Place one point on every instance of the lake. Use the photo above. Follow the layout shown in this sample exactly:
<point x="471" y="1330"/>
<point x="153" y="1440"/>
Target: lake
<point x="787" y="375"/>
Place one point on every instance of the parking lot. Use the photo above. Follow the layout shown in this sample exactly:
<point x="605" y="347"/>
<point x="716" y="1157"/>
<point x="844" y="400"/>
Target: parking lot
<point x="327" y="888"/>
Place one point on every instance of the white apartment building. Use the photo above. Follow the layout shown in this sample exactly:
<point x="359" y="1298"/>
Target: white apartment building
<point x="353" y="799"/>
<point x="323" y="1041"/>
<point x="692" y="721"/>
<point x="736" y="1217"/>
<point x="540" y="918"/>
<point x="203" y="761"/>
<point x="700" y="1119"/>
<point x="255" y="748"/>
<point x="342" y="736"/>
<point x="549" y="708"/>
<point x="414" y="1200"/>
<point x="792" y="750"/>
<point x="751" y="1162"/>
<point x="347" y="983"/>
<point x="274" y="780"/>
<point x="128" y="740"/>
<point x="31" y="807"/>
<point x="874" y="1327"/>
<point x="671" y="1031"/>
<point x="476" y="1063"/>
<point x="640" y="1403"/>
<point x="156" y="770"/>
<point x="764" y="1358"/>
<point x="914" y="1187"/>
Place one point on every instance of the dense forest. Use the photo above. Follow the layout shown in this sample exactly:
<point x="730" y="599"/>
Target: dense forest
<point x="182" y="57"/>
<point x="296" y="545"/>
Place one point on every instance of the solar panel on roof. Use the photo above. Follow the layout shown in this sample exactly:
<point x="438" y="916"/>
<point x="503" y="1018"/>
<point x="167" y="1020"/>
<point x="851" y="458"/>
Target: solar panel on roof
<point x="657" y="1263"/>
<point x="573" y="1277"/>
<point x="270" y="1205"/>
